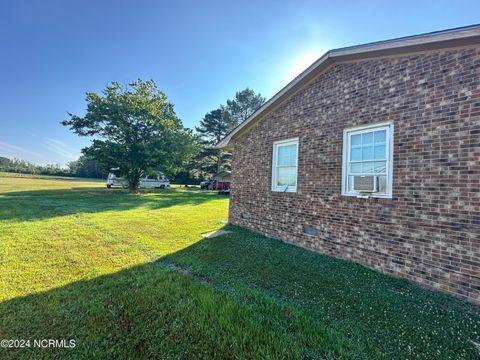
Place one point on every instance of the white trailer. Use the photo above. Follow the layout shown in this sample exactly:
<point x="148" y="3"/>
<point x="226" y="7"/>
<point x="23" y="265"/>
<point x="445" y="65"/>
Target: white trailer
<point x="159" y="183"/>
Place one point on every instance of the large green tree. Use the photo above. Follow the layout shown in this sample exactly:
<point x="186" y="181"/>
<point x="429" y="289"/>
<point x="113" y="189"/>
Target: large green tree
<point x="216" y="124"/>
<point x="212" y="128"/>
<point x="135" y="129"/>
<point x="245" y="103"/>
<point x="87" y="167"/>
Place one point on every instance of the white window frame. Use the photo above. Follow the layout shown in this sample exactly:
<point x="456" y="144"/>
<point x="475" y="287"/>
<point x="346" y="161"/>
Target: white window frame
<point x="347" y="133"/>
<point x="276" y="145"/>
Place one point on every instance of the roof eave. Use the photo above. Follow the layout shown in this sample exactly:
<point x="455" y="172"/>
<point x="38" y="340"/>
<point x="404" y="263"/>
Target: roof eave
<point x="227" y="141"/>
<point x="418" y="43"/>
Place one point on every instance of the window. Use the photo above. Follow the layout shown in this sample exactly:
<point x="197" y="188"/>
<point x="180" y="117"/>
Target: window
<point x="284" y="169"/>
<point x="367" y="161"/>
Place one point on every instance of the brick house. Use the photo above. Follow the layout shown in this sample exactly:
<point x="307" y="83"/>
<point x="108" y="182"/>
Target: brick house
<point x="373" y="154"/>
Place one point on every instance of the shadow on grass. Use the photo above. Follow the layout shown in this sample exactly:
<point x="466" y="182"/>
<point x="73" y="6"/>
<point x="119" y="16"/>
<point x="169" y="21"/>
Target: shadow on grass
<point x="242" y="295"/>
<point x="389" y="316"/>
<point x="41" y="204"/>
<point x="156" y="312"/>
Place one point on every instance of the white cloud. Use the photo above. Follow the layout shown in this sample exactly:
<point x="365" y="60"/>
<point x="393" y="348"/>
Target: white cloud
<point x="60" y="148"/>
<point x="57" y="152"/>
<point x="14" y="151"/>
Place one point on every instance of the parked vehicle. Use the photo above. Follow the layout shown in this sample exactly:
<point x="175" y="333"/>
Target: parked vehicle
<point x="224" y="192"/>
<point x="159" y="183"/>
<point x="219" y="185"/>
<point x="204" y="184"/>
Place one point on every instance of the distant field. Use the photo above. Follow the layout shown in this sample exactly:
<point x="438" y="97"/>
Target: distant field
<point x="46" y="177"/>
<point x="130" y="276"/>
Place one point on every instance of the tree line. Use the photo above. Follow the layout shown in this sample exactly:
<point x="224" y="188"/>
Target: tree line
<point x="85" y="167"/>
<point x="135" y="130"/>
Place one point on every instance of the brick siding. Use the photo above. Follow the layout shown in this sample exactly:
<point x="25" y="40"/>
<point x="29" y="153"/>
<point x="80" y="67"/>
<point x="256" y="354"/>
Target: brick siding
<point x="429" y="232"/>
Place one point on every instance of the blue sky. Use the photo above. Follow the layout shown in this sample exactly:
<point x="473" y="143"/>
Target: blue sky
<point x="199" y="53"/>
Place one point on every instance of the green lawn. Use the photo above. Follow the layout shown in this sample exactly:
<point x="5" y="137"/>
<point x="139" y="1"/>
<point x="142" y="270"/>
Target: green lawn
<point x="129" y="276"/>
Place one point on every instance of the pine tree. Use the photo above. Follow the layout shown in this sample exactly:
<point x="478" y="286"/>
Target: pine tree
<point x="245" y="103"/>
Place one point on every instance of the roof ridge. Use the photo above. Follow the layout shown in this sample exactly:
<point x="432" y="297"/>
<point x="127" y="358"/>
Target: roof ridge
<point x="410" y="37"/>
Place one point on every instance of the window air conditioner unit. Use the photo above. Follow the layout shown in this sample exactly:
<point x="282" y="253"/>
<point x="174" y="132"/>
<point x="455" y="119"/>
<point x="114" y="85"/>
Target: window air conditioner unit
<point x="365" y="183"/>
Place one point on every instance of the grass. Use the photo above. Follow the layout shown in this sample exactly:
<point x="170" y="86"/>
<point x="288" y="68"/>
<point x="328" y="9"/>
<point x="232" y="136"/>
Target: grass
<point x="46" y="177"/>
<point x="129" y="276"/>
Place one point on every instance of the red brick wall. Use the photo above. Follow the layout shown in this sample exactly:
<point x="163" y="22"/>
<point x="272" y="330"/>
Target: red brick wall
<point x="429" y="232"/>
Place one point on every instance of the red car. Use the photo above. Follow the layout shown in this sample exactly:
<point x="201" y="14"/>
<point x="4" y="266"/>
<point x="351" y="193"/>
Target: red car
<point x="219" y="185"/>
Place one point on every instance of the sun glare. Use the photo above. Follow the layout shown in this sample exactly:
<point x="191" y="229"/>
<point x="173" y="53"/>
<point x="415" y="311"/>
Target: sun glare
<point x="299" y="63"/>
